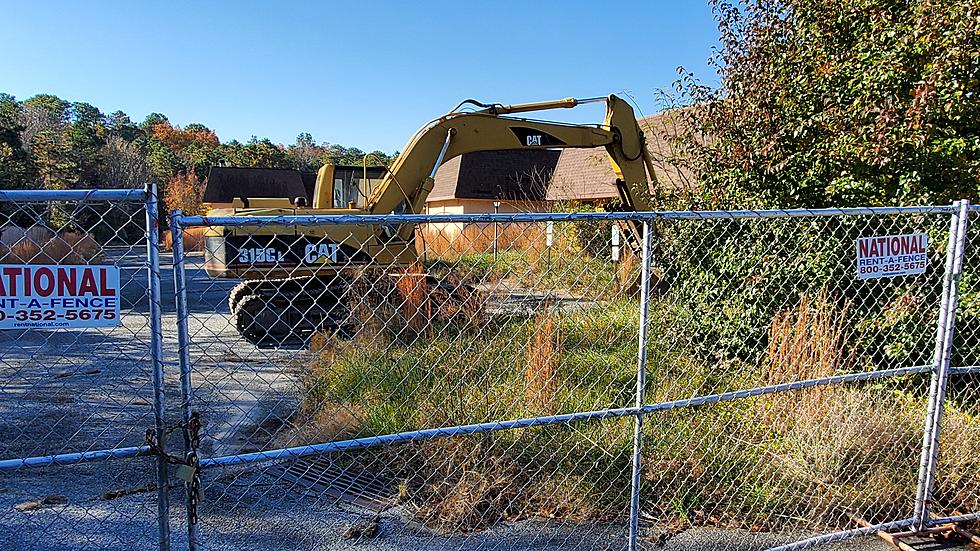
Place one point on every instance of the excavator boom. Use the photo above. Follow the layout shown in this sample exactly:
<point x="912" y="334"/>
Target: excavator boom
<point x="410" y="178"/>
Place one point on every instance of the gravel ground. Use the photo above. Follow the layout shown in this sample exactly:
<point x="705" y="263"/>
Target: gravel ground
<point x="63" y="391"/>
<point x="274" y="518"/>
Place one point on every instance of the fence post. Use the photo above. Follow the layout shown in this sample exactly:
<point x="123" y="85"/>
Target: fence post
<point x="941" y="360"/>
<point x="641" y="381"/>
<point x="186" y="389"/>
<point x="156" y="359"/>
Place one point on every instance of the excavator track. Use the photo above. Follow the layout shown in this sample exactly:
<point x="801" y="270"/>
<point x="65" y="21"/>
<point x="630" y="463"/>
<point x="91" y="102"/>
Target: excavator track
<point x="285" y="313"/>
<point x="242" y="290"/>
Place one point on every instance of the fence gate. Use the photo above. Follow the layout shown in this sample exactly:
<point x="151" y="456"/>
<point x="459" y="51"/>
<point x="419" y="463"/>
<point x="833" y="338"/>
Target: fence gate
<point x="711" y="380"/>
<point x="81" y="376"/>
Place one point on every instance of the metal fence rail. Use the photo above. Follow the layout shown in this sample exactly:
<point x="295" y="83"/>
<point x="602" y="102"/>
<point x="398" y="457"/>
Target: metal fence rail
<point x="79" y="392"/>
<point x="725" y="376"/>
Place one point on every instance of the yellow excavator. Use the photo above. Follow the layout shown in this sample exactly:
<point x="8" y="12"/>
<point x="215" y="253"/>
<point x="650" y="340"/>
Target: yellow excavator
<point x="295" y="278"/>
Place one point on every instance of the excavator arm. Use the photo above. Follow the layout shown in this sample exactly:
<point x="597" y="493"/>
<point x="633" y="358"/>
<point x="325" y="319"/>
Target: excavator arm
<point x="411" y="177"/>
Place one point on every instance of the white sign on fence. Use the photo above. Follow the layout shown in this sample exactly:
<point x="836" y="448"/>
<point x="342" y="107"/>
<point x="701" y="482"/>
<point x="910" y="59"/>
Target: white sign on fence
<point x="51" y="296"/>
<point x="892" y="255"/>
<point x="615" y="243"/>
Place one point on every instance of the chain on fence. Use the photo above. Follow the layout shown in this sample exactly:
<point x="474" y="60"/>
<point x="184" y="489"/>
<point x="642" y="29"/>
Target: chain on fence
<point x="476" y="387"/>
<point x="76" y="372"/>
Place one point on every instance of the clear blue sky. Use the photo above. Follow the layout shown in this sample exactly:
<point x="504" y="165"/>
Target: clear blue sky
<point x="357" y="73"/>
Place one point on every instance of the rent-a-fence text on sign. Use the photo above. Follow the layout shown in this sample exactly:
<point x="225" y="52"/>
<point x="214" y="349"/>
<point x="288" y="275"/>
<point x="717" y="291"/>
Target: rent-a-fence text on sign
<point x="50" y="297"/>
<point x="892" y="255"/>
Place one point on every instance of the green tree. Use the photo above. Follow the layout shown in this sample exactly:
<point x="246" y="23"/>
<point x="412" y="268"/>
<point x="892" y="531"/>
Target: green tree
<point x="55" y="162"/>
<point x="59" y="144"/>
<point x="119" y="124"/>
<point x="341" y="155"/>
<point x="256" y="153"/>
<point x="16" y="168"/>
<point x="164" y="162"/>
<point x="197" y="127"/>
<point x="838" y="103"/>
<point x="50" y="103"/>
<point x="44" y="121"/>
<point x="151" y="121"/>
<point x="86" y="140"/>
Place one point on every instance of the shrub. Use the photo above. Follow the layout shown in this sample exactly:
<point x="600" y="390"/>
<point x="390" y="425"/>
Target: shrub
<point x="731" y="277"/>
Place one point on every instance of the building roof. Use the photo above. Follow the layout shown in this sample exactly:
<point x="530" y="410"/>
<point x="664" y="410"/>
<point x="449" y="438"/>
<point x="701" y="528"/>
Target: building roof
<point x="512" y="175"/>
<point x="582" y="174"/>
<point x="225" y="183"/>
<point x="585" y="174"/>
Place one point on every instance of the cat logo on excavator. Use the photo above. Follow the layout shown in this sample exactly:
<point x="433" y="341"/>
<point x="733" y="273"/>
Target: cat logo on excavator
<point x="322" y="252"/>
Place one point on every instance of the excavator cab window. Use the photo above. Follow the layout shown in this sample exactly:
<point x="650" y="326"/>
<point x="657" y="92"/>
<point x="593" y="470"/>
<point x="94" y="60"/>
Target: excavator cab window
<point x="350" y="187"/>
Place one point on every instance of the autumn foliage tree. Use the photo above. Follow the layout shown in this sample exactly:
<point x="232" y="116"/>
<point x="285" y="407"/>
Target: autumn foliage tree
<point x="174" y="150"/>
<point x="184" y="192"/>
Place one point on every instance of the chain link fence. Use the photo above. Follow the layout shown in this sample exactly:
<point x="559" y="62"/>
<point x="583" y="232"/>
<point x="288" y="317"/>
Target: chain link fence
<point x="716" y="380"/>
<point x="79" y="371"/>
<point x="722" y="380"/>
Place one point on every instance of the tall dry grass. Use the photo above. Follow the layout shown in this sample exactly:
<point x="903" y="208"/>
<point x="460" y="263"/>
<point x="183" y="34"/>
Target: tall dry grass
<point x="807" y="341"/>
<point x="454" y="240"/>
<point x="851" y="447"/>
<point x="543" y="354"/>
<point x="65" y="248"/>
<point x="413" y="294"/>
<point x="193" y="240"/>
<point x="628" y="273"/>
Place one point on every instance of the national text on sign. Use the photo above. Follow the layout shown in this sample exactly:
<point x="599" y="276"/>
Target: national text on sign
<point x="45" y="281"/>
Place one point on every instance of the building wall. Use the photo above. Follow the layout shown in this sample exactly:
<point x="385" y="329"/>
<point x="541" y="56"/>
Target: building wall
<point x="483" y="206"/>
<point x="475" y="206"/>
<point x="456" y="238"/>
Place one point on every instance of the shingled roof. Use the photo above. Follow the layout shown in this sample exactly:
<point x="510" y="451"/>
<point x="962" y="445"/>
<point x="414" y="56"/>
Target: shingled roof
<point x="515" y="175"/>
<point x="225" y="183"/>
<point x="586" y="175"/>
